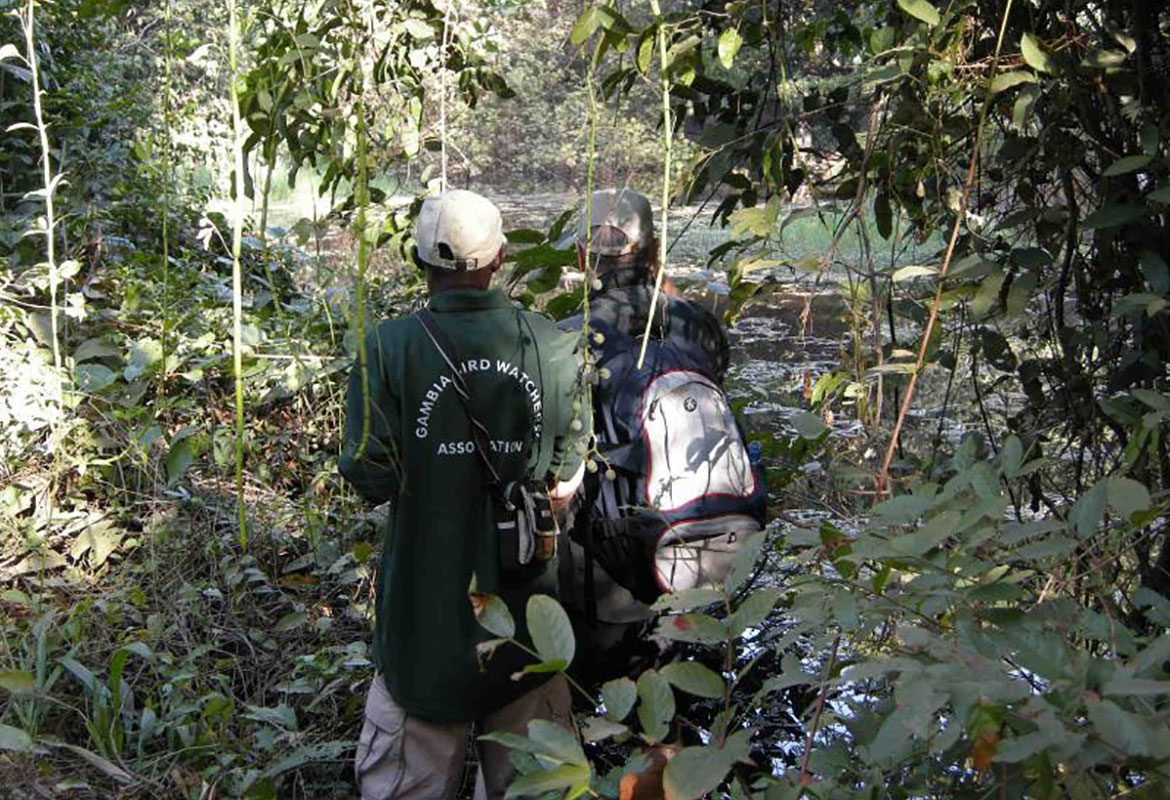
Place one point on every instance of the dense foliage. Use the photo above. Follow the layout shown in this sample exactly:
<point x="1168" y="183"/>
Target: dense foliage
<point x="966" y="588"/>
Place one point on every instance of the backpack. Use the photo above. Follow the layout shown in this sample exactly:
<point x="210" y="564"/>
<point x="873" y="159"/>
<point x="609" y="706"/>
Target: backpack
<point x="685" y="493"/>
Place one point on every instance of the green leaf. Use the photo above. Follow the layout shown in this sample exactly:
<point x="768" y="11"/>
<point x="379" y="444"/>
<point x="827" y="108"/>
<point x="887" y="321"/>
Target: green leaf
<point x="419" y="29"/>
<point x="695" y="772"/>
<point x="1115" y="214"/>
<point x="15" y="739"/>
<point x="1012" y="456"/>
<point x="921" y="10"/>
<point x="1161" y="194"/>
<point x="1127" y="496"/>
<point x="535" y="784"/>
<point x="492" y="613"/>
<point x="557" y="742"/>
<point x="179" y="459"/>
<point x="551" y="631"/>
<point x="1130" y="687"/>
<point x="1007" y="80"/>
<point x="8" y="51"/>
<point x="809" y="426"/>
<point x="99" y="539"/>
<point x="687" y="599"/>
<point x="656" y="706"/>
<point x="1015" y="750"/>
<point x="1035" y="56"/>
<point x="912" y="271"/>
<point x="1125" y="165"/>
<point x="743" y="565"/>
<point x="729" y="43"/>
<point x="94" y="348"/>
<point x="1132" y="734"/>
<point x="585" y="26"/>
<point x="289" y="621"/>
<point x="753" y="610"/>
<point x="143" y="355"/>
<point x="618" y="696"/>
<point x="17" y="682"/>
<point x="599" y="728"/>
<point x="1104" y="59"/>
<point x="92" y="378"/>
<point x="698" y="628"/>
<point x="556" y="665"/>
<point x="695" y="678"/>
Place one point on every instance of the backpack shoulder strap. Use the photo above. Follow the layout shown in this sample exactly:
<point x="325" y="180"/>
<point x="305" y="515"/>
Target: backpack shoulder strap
<point x="446" y="348"/>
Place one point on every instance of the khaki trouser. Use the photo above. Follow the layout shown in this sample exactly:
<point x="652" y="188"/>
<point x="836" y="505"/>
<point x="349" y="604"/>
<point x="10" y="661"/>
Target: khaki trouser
<point x="402" y="757"/>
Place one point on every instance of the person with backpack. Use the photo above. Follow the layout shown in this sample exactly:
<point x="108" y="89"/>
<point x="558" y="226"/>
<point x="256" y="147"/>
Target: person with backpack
<point x="464" y="419"/>
<point x="676" y="490"/>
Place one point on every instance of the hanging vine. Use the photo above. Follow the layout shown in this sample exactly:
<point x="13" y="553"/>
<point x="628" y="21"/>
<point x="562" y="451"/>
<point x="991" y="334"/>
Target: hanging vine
<point x="667" y="137"/>
<point x="50" y="182"/>
<point x="237" y="282"/>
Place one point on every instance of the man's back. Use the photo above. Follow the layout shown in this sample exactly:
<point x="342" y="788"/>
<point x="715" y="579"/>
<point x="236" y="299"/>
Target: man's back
<point x="520" y="374"/>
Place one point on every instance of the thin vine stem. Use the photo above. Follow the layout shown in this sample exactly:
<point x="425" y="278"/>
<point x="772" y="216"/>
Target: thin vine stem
<point x="237" y="278"/>
<point x="881" y="484"/>
<point x="362" y="201"/>
<point x="167" y="181"/>
<point x="29" y="25"/>
<point x="667" y="136"/>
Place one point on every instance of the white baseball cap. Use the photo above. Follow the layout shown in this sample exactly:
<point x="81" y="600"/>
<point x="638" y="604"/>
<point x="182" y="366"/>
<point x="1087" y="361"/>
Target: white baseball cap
<point x="459" y="230"/>
<point x="623" y="210"/>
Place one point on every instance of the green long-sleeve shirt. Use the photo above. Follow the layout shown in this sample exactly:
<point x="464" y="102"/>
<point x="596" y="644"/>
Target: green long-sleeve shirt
<point x="522" y="375"/>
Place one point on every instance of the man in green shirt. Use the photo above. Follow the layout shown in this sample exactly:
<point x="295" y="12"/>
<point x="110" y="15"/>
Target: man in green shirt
<point x="409" y="439"/>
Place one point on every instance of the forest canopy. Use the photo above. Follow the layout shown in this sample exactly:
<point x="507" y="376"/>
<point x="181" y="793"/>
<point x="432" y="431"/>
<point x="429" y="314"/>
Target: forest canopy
<point x="936" y="231"/>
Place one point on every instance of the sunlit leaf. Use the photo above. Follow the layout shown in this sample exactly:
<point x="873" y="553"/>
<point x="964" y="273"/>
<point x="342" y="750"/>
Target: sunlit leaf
<point x="920" y="10"/>
<point x="729" y="43"/>
<point x="912" y="271"/>
<point x="1035" y="56"/>
<point x="1007" y="80"/>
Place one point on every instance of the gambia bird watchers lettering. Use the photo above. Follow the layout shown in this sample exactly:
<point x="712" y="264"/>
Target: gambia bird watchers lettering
<point x="481" y="365"/>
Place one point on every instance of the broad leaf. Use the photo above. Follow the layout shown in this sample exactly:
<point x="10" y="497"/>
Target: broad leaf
<point x="695" y="678"/>
<point x="753" y="610"/>
<point x="1127" y="496"/>
<point x="1126" y="165"/>
<point x="618" y="696"/>
<point x="492" y="613"/>
<point x="1114" y="215"/>
<point x="921" y="10"/>
<point x="15" y="739"/>
<point x="655" y="707"/>
<point x="17" y="682"/>
<point x="1035" y="56"/>
<point x="551" y="631"/>
<point x="729" y="43"/>
<point x="536" y="784"/>
<point x="1007" y="80"/>
<point x="696" y="772"/>
<point x="556" y="742"/>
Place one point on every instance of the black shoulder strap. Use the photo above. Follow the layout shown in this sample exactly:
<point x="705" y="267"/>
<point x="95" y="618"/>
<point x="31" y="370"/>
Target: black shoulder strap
<point x="446" y="348"/>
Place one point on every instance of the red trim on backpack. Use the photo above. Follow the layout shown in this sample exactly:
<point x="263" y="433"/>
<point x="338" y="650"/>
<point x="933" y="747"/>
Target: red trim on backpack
<point x="648" y="462"/>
